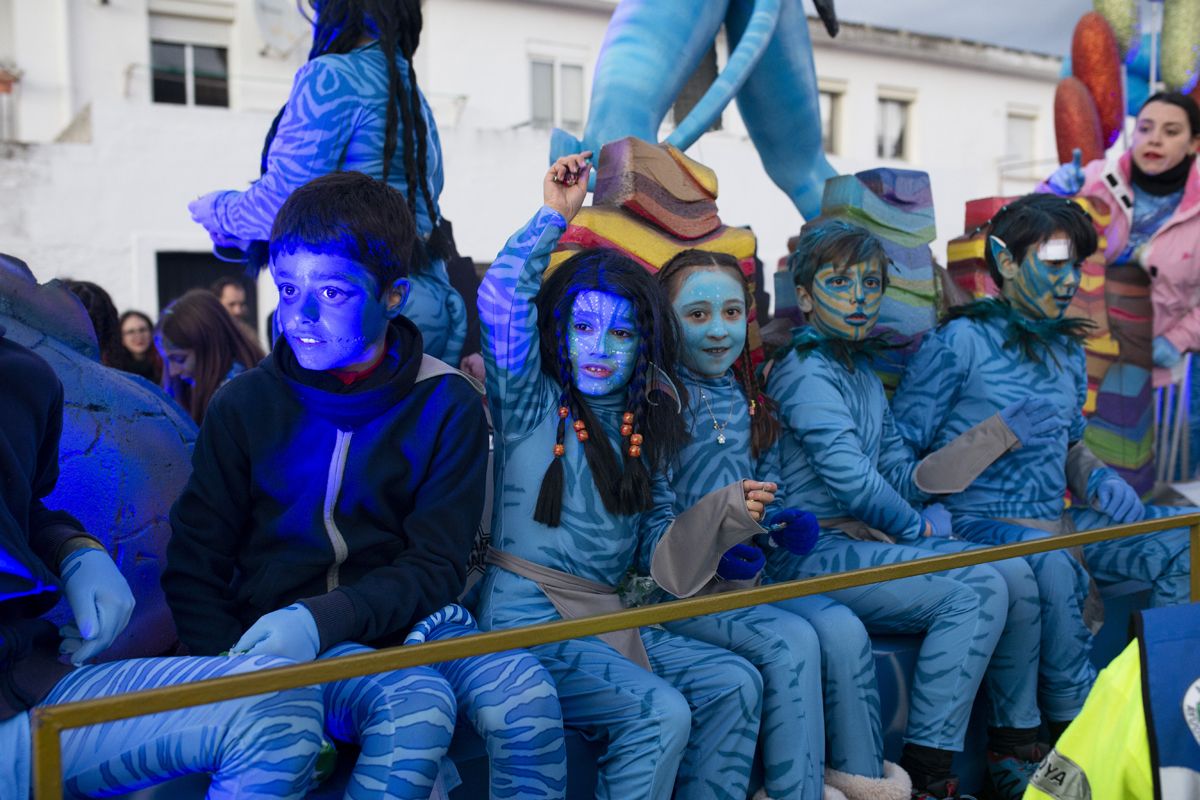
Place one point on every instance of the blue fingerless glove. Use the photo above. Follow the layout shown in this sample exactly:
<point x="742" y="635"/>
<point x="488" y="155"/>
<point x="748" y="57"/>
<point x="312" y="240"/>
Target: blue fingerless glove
<point x="741" y="562"/>
<point x="100" y="599"/>
<point x="1033" y="420"/>
<point x="1164" y="353"/>
<point x="793" y="529"/>
<point x="940" y="523"/>
<point x="1068" y="179"/>
<point x="288" y="633"/>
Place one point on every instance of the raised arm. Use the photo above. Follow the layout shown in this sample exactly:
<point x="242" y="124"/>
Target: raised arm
<point x="507" y="316"/>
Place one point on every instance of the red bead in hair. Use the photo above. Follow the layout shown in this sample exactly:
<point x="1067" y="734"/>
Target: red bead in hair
<point x="636" y="439"/>
<point x="627" y="418"/>
<point x="581" y="435"/>
<point x="626" y="429"/>
<point x="559" y="450"/>
<point x="563" y="411"/>
<point x="634" y="451"/>
<point x="579" y="425"/>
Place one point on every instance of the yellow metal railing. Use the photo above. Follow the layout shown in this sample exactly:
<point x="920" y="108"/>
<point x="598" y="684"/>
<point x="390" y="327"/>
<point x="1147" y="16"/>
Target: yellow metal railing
<point x="48" y="722"/>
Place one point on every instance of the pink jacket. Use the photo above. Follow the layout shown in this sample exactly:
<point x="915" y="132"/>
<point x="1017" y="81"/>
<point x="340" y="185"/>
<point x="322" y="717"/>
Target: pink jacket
<point x="1172" y="255"/>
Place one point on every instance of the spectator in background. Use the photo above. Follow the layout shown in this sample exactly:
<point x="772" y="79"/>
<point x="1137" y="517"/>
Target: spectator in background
<point x="103" y="314"/>
<point x="231" y="291"/>
<point x="137" y="340"/>
<point x="202" y="348"/>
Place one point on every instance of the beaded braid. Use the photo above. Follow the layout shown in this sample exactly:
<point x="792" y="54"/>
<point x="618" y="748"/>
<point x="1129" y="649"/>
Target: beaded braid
<point x="764" y="411"/>
<point x="635" y="480"/>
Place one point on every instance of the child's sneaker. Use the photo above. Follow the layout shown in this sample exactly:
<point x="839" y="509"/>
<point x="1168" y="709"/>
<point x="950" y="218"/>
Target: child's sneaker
<point x="945" y="789"/>
<point x="1010" y="772"/>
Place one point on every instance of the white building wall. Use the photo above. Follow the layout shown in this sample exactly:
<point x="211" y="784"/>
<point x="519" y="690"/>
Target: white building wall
<point x="100" y="204"/>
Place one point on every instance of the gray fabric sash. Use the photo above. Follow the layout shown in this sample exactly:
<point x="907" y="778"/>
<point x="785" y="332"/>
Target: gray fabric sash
<point x="856" y="529"/>
<point x="576" y="597"/>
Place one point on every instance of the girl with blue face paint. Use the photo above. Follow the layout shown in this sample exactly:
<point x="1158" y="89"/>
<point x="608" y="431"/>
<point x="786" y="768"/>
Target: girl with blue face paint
<point x="732" y="434"/>
<point x="580" y="376"/>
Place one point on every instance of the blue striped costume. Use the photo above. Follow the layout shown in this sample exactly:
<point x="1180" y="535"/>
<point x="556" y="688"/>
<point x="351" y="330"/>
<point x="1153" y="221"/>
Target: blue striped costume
<point x="790" y="643"/>
<point x="964" y="373"/>
<point x="262" y="746"/>
<point x="840" y="458"/>
<point x="335" y="120"/>
<point x="698" y="711"/>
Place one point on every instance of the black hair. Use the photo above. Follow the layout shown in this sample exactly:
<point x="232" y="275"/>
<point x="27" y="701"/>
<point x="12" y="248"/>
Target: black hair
<point x="218" y="286"/>
<point x="1186" y="102"/>
<point x="624" y="486"/>
<point x="764" y="421"/>
<point x="339" y="26"/>
<point x="350" y="215"/>
<point x="103" y="314"/>
<point x="1032" y="219"/>
<point x="834" y="241"/>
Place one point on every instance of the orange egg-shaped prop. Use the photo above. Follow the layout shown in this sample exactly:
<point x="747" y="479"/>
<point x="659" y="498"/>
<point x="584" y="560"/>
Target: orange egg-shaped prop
<point x="1096" y="60"/>
<point x="1076" y="122"/>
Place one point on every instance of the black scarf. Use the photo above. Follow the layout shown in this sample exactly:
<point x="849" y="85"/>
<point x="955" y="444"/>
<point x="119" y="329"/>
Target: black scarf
<point x="1169" y="182"/>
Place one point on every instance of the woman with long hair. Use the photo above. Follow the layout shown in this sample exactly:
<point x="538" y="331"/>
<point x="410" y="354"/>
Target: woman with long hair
<point x="202" y="347"/>
<point x="137" y="339"/>
<point x="355" y="106"/>
<point x="103" y="314"/>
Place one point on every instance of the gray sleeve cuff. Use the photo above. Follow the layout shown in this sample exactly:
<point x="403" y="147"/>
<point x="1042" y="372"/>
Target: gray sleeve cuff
<point x="955" y="466"/>
<point x="1081" y="463"/>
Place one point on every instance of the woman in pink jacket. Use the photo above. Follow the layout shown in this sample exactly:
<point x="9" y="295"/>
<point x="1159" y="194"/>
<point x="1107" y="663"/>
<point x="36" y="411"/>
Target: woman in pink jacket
<point x="1153" y="190"/>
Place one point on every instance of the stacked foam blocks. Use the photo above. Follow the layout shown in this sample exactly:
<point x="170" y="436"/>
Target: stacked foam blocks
<point x="652" y="202"/>
<point x="1117" y="301"/>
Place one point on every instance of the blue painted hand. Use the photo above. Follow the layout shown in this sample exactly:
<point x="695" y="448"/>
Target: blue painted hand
<point x="100" y="599"/>
<point x="741" y="562"/>
<point x="794" y="529"/>
<point x="1034" y="421"/>
<point x="289" y="633"/>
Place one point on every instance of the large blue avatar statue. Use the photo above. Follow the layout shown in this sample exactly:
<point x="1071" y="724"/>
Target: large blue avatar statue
<point x="653" y="46"/>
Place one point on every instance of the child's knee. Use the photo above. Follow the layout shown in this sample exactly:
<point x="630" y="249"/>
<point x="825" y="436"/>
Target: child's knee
<point x="668" y="713"/>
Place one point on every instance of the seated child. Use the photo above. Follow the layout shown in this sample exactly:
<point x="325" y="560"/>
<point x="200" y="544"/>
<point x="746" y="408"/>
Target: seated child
<point x="732" y="434"/>
<point x="841" y="458"/>
<point x="998" y="352"/>
<point x="334" y="501"/>
<point x="591" y="350"/>
<point x="266" y="744"/>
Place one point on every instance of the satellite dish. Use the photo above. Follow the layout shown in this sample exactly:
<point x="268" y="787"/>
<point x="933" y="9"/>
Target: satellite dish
<point x="282" y="26"/>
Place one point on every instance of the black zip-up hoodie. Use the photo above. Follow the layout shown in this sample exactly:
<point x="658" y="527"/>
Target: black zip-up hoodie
<point x="31" y="535"/>
<point x="360" y="501"/>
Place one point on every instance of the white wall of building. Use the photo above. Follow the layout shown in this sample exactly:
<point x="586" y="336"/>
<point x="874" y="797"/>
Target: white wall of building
<point x="112" y="191"/>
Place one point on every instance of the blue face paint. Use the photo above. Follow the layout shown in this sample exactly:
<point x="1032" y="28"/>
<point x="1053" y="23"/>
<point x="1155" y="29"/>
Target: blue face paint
<point x="846" y="300"/>
<point x="1046" y="281"/>
<point x="330" y="309"/>
<point x="711" y="307"/>
<point x="602" y="342"/>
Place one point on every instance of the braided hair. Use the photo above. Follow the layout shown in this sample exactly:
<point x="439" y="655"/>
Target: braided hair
<point x="339" y="26"/>
<point x="623" y="481"/>
<point x="764" y="420"/>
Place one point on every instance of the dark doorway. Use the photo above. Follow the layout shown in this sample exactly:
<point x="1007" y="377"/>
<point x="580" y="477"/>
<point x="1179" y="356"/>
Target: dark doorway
<point x="178" y="272"/>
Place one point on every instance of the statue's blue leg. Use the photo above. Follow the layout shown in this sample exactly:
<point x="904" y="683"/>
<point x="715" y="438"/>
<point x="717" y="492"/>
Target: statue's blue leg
<point x="649" y="51"/>
<point x="780" y="105"/>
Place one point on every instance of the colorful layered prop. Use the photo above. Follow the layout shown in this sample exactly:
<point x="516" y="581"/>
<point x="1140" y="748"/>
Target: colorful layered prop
<point x="897" y="206"/>
<point x="125" y="450"/>
<point x="1117" y="301"/>
<point x="652" y="202"/>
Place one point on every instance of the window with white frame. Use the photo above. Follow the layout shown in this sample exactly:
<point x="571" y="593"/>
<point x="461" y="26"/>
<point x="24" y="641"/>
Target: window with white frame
<point x="556" y="94"/>
<point x="189" y="74"/>
<point x="1019" y="136"/>
<point x="893" y="129"/>
<point x="831" y="112"/>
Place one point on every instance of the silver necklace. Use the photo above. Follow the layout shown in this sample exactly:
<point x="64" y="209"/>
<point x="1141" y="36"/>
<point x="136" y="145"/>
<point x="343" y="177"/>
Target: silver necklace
<point x="719" y="427"/>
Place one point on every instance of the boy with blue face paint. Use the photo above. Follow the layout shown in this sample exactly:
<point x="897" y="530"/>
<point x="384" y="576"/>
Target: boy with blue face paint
<point x="580" y="380"/>
<point x="338" y="515"/>
<point x="1001" y="351"/>
<point x="842" y="459"/>
<point x="732" y="434"/>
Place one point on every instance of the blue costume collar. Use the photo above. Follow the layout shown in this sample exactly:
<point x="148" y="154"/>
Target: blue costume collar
<point x="806" y="339"/>
<point x="1032" y="336"/>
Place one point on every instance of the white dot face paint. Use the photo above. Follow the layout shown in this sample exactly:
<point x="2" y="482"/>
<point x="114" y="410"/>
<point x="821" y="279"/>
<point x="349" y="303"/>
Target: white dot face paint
<point x="846" y="300"/>
<point x="1046" y="281"/>
<point x="602" y="343"/>
<point x="711" y="307"/>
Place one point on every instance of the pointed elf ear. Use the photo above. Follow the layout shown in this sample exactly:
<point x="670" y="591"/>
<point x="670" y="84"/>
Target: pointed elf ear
<point x="804" y="300"/>
<point x="1003" y="258"/>
<point x="661" y="382"/>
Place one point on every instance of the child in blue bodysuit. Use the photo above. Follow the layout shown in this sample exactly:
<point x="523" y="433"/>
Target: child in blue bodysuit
<point x="356" y="106"/>
<point x="1001" y="351"/>
<point x="579" y="370"/>
<point x="842" y="459"/>
<point x="334" y="500"/>
<point x="732" y="434"/>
